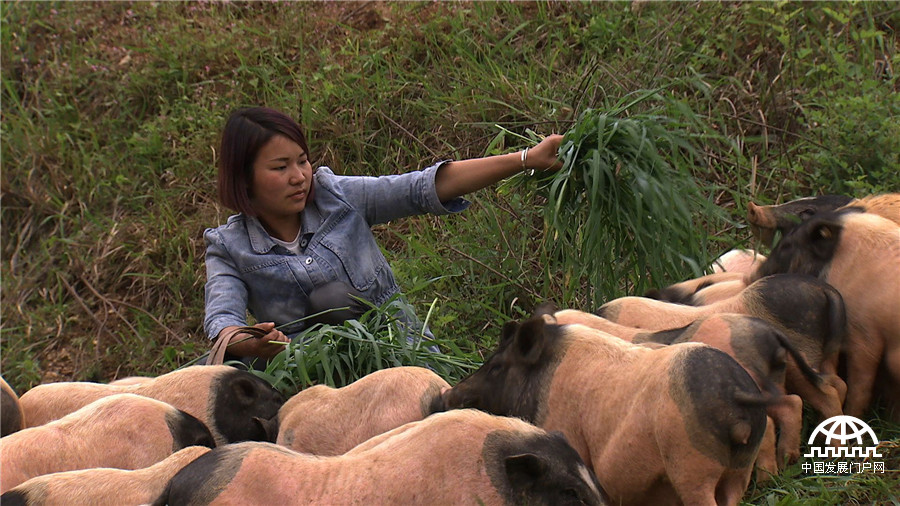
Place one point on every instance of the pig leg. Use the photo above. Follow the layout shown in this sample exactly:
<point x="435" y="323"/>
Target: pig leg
<point x="697" y="479"/>
<point x="697" y="489"/>
<point x="864" y="351"/>
<point x="838" y="384"/>
<point x="766" y="463"/>
<point x="788" y="416"/>
<point x="828" y="370"/>
<point x="889" y="384"/>
<point x="892" y="363"/>
<point x="732" y="486"/>
<point x="711" y="484"/>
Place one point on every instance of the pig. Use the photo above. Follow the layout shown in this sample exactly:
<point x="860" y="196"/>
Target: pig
<point x="677" y="424"/>
<point x="730" y="275"/>
<point x="743" y="261"/>
<point x="763" y="352"/>
<point x="859" y="254"/>
<point x="682" y="292"/>
<point x="757" y="346"/>
<point x="766" y="220"/>
<point x="12" y="418"/>
<point x="464" y="457"/>
<point x="236" y="405"/>
<point x="886" y="205"/>
<point x="634" y="334"/>
<point x="123" y="431"/>
<point x="102" y="485"/>
<point x="131" y="380"/>
<point x="567" y="316"/>
<point x="809" y="312"/>
<point x="329" y="421"/>
<point x="717" y="292"/>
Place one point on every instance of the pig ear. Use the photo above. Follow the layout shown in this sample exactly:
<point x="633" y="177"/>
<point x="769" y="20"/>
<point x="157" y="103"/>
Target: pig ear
<point x="509" y="330"/>
<point x="268" y="427"/>
<point x="244" y="390"/>
<point x="823" y="238"/>
<point x="545" y="308"/>
<point x="530" y="339"/>
<point x="524" y="470"/>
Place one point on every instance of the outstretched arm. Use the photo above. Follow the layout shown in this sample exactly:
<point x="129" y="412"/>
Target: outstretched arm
<point x="457" y="178"/>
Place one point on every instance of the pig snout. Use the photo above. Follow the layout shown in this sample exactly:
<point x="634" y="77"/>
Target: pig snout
<point x="758" y="215"/>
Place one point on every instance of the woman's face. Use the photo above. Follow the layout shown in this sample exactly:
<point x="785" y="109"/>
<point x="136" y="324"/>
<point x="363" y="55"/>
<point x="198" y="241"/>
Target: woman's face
<point x="282" y="176"/>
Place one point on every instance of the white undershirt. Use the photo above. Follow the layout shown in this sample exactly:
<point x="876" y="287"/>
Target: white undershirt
<point x="293" y="246"/>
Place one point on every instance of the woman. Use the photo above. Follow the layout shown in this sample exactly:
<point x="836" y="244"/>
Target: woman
<point x="301" y="242"/>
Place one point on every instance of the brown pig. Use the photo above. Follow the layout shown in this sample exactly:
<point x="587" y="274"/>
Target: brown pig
<point x="131" y="380"/>
<point x="807" y="311"/>
<point x="741" y="261"/>
<point x="886" y="205"/>
<point x="755" y="344"/>
<point x="859" y="254"/>
<point x="763" y="352"/>
<point x="12" y="418"/>
<point x="682" y="292"/>
<point x="124" y="431"/>
<point x="329" y="421"/>
<point x="672" y="425"/>
<point x="766" y="220"/>
<point x="102" y="485"/>
<point x="234" y="404"/>
<point x="758" y="347"/>
<point x="717" y="292"/>
<point x="570" y="316"/>
<point x="729" y="276"/>
<point x="465" y="457"/>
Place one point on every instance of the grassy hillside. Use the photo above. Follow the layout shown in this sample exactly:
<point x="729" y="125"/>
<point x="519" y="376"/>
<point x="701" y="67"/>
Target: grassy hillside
<point x="111" y="112"/>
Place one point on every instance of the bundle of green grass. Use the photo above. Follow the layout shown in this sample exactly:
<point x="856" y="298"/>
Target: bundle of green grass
<point x="626" y="201"/>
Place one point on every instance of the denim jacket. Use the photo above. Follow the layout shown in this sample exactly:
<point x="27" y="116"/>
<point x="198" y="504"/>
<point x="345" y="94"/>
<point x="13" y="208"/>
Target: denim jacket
<point x="247" y="271"/>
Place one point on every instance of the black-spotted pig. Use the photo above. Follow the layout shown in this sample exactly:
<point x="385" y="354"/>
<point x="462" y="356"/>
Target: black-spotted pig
<point x="757" y="346"/>
<point x="234" y="404"/>
<point x="123" y="431"/>
<point x="729" y="276"/>
<point x="671" y="425"/>
<point x="809" y="312"/>
<point x="102" y="485"/>
<point x="329" y="421"/>
<point x="859" y="254"/>
<point x="465" y="457"/>
<point x="766" y="220"/>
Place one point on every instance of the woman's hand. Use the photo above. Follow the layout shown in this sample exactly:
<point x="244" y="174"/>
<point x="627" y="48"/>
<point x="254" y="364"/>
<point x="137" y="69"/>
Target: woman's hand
<point x="543" y="156"/>
<point x="246" y="345"/>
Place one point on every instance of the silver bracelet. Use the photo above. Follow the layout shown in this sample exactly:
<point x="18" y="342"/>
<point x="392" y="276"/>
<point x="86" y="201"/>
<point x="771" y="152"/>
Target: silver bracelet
<point x="524" y="168"/>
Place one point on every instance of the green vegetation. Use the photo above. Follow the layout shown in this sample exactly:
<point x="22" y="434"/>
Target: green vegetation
<point x="111" y="112"/>
<point x="337" y="355"/>
<point x="625" y="200"/>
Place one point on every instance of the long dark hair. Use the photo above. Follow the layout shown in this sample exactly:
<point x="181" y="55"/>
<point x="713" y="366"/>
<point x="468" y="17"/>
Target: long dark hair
<point x="246" y="132"/>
